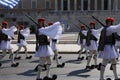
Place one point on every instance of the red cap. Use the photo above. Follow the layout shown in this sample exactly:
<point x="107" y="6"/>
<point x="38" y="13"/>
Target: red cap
<point x="21" y="27"/>
<point x="0" y="27"/>
<point x="50" y="23"/>
<point x="41" y="19"/>
<point x="82" y="25"/>
<point x="109" y="19"/>
<point x="92" y="22"/>
<point x="4" y="23"/>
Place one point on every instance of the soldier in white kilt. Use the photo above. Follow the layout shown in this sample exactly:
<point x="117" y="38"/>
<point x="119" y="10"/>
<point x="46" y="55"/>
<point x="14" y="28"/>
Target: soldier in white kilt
<point x="53" y="44"/>
<point x="23" y="33"/>
<point x="7" y="35"/>
<point x="106" y="47"/>
<point x="44" y="51"/>
<point x="81" y="40"/>
<point x="0" y="41"/>
<point x="91" y="42"/>
<point x="117" y="43"/>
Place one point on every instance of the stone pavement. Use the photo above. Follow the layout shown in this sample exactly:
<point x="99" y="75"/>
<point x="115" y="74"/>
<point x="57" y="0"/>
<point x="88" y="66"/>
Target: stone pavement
<point x="62" y="48"/>
<point x="67" y="43"/>
<point x="73" y="70"/>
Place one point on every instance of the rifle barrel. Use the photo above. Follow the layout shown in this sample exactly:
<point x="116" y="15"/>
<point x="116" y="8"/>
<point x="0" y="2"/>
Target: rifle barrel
<point x="76" y="26"/>
<point x="31" y="19"/>
<point x="98" y="21"/>
<point x="84" y="24"/>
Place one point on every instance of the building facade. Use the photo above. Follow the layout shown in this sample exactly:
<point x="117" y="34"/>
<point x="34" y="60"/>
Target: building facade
<point x="67" y="5"/>
<point x="65" y="10"/>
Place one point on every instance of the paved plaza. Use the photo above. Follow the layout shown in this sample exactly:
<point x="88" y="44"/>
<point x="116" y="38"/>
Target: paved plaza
<point x="73" y="70"/>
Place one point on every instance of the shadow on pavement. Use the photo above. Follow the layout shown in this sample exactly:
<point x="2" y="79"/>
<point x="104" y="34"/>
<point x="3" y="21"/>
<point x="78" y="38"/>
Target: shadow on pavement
<point x="28" y="73"/>
<point x="73" y="61"/>
<point x="35" y="61"/>
<point x="5" y="61"/>
<point x="79" y="73"/>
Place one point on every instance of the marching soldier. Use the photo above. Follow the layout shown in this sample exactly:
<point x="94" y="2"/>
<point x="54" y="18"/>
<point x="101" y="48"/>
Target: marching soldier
<point x="82" y="41"/>
<point x="22" y="41"/>
<point x="117" y="42"/>
<point x="91" y="43"/>
<point x="55" y="49"/>
<point x="0" y="41"/>
<point x="6" y="42"/>
<point x="44" y="52"/>
<point x="106" y="47"/>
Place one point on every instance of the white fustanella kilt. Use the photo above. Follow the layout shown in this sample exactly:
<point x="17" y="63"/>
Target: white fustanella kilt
<point x="44" y="50"/>
<point x="0" y="46"/>
<point x="109" y="52"/>
<point x="83" y="43"/>
<point x="6" y="45"/>
<point x="54" y="46"/>
<point x="22" y="43"/>
<point x="93" y="45"/>
<point x="117" y="43"/>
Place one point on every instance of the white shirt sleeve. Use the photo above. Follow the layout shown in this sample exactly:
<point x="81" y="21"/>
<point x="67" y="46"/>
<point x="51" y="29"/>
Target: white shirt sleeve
<point x="114" y="28"/>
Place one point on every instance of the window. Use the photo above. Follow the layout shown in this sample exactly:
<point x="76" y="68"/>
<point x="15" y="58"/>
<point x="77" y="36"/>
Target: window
<point x="85" y="5"/>
<point x="105" y="4"/>
<point x="20" y="5"/>
<point x="34" y="4"/>
<point x="65" y="4"/>
<point x="47" y="4"/>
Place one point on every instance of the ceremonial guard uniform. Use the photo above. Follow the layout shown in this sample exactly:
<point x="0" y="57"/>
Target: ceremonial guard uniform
<point x="22" y="35"/>
<point x="117" y="42"/>
<point x="0" y="41"/>
<point x="106" y="47"/>
<point x="54" y="47"/>
<point x="91" y="43"/>
<point x="82" y="41"/>
<point x="6" y="36"/>
<point x="44" y="51"/>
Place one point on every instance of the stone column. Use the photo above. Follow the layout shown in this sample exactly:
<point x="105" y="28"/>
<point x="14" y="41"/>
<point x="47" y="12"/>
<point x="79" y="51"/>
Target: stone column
<point x="61" y="5"/>
<point x="95" y="5"/>
<point x="102" y="5"/>
<point x="68" y="2"/>
<point x="75" y="4"/>
<point x="109" y="5"/>
<point x="116" y="4"/>
<point x="89" y="4"/>
<point x="56" y="5"/>
<point x="81" y="5"/>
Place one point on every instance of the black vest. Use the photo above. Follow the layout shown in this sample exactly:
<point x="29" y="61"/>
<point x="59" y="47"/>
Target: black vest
<point x="43" y="40"/>
<point x="82" y="36"/>
<point x="20" y="36"/>
<point x="0" y="36"/>
<point x="105" y="40"/>
<point x="5" y="37"/>
<point x="90" y="36"/>
<point x="54" y="40"/>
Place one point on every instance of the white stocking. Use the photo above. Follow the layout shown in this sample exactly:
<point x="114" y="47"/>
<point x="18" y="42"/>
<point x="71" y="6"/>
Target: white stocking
<point x="12" y="56"/>
<point x="102" y="69"/>
<point x="3" y="54"/>
<point x="48" y="59"/>
<point x="18" y="50"/>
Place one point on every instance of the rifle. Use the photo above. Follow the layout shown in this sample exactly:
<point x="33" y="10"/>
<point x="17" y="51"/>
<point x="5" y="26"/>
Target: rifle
<point x="84" y="24"/>
<point x="76" y="26"/>
<point x="31" y="18"/>
<point x="98" y="21"/>
<point x="36" y="31"/>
